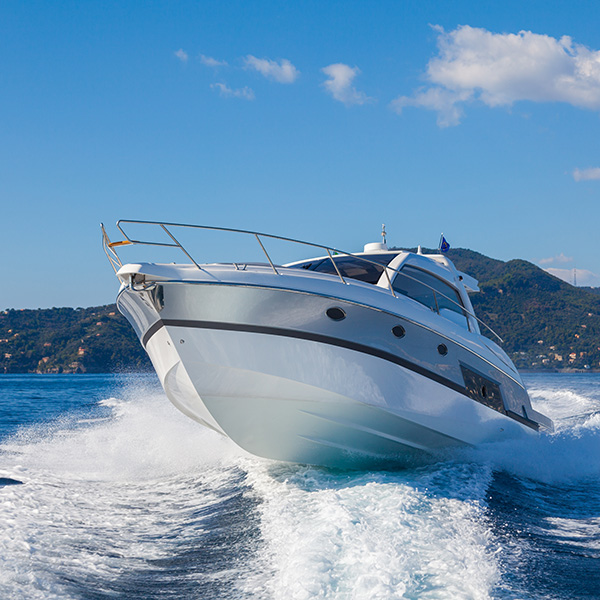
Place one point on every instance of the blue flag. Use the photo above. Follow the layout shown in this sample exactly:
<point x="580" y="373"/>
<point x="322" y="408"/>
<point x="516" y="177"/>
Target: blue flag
<point x="444" y="245"/>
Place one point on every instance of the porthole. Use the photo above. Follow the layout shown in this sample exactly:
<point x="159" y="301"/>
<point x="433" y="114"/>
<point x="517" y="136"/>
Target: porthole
<point x="399" y="331"/>
<point x="335" y="313"/>
<point x="443" y="349"/>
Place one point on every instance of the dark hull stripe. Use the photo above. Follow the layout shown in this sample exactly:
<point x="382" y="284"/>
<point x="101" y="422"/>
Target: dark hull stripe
<point x="151" y="331"/>
<point x="524" y="420"/>
<point x="314" y="337"/>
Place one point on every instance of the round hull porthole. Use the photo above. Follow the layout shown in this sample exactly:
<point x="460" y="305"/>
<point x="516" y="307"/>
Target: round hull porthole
<point x="335" y="313"/>
<point x="399" y="331"/>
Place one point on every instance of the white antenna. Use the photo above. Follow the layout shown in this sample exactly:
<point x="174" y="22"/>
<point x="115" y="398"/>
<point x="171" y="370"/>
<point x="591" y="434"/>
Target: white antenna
<point x="383" y="234"/>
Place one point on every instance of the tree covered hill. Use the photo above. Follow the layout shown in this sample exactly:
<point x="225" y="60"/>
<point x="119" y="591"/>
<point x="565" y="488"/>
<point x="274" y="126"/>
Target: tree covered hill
<point x="67" y="340"/>
<point x="545" y="323"/>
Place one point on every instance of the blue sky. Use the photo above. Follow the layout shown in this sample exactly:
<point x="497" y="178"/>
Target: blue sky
<point x="316" y="120"/>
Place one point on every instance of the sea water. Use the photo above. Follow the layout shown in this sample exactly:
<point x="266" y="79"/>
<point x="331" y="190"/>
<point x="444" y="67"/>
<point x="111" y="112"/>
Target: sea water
<point x="107" y="491"/>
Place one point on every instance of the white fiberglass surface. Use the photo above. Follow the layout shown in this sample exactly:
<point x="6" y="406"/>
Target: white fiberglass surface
<point x="123" y="496"/>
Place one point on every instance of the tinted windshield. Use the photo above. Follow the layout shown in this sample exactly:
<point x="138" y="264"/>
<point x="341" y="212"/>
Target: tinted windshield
<point x="351" y="266"/>
<point x="422" y="287"/>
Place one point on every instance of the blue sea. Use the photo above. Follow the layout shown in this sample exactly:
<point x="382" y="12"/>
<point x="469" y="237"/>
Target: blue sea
<point x="121" y="496"/>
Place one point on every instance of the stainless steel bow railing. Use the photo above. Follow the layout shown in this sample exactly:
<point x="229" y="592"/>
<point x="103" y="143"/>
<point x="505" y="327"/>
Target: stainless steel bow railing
<point x="115" y="261"/>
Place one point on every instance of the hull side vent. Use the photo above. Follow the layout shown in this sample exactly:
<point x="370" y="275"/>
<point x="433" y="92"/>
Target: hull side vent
<point x="482" y="389"/>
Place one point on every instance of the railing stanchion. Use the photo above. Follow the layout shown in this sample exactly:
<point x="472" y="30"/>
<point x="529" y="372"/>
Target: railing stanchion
<point x="113" y="257"/>
<point x="180" y="246"/>
<point x="387" y="276"/>
<point x="335" y="266"/>
<point x="267" y="254"/>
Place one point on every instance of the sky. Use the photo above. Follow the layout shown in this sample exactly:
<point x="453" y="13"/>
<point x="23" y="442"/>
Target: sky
<point x="311" y="119"/>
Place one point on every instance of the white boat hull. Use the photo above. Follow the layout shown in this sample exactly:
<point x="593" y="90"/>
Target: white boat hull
<point x="301" y="401"/>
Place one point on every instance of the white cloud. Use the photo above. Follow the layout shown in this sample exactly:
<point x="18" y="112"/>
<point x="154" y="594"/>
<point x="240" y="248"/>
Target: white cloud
<point x="502" y="68"/>
<point x="584" y="278"/>
<point x="209" y="61"/>
<point x="283" y="71"/>
<point x="182" y="55"/>
<point x="560" y="259"/>
<point x="339" y="84"/>
<point x="586" y="174"/>
<point x="435" y="98"/>
<point x="226" y="92"/>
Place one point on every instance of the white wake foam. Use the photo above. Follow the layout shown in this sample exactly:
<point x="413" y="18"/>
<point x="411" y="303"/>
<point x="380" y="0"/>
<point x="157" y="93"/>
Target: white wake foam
<point x="571" y="453"/>
<point x="375" y="536"/>
<point x="563" y="406"/>
<point x="97" y="500"/>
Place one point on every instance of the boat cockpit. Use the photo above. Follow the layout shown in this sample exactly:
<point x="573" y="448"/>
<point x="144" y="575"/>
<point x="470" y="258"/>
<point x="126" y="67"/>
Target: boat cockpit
<point x="350" y="266"/>
<point x="430" y="280"/>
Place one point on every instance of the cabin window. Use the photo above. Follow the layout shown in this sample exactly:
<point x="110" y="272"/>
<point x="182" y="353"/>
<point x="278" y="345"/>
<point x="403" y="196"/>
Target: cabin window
<point x="432" y="292"/>
<point x="351" y="267"/>
<point x="409" y="283"/>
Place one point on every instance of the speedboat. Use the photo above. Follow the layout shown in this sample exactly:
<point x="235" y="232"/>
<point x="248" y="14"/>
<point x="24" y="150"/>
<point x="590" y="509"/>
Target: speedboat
<point x="344" y="360"/>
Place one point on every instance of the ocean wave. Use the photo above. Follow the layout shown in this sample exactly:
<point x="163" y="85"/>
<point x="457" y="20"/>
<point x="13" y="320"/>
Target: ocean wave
<point x="137" y="500"/>
<point x="375" y="535"/>
<point x="564" y="406"/>
<point x="100" y="502"/>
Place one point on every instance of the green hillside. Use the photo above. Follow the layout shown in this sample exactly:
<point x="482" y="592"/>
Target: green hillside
<point x="546" y="324"/>
<point x="67" y="340"/>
